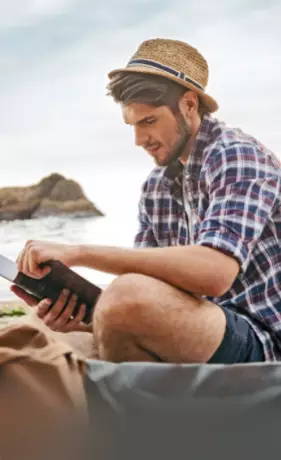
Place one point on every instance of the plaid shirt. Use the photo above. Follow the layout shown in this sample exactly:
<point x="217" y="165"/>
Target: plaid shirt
<point x="227" y="196"/>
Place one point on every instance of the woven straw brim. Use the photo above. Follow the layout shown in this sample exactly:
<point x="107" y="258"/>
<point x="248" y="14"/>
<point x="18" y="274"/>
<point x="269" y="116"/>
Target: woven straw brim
<point x="210" y="103"/>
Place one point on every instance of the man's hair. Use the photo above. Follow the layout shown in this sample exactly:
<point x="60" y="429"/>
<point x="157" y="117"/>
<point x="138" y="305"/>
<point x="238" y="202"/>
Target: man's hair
<point x="129" y="87"/>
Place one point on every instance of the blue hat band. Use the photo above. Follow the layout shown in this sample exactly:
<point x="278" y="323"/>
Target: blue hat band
<point x="156" y="65"/>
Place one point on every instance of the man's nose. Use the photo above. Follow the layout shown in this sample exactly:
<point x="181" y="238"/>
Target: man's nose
<point x="141" y="137"/>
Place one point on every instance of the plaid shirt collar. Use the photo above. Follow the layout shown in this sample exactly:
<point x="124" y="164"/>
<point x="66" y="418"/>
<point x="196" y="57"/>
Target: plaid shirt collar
<point x="173" y="173"/>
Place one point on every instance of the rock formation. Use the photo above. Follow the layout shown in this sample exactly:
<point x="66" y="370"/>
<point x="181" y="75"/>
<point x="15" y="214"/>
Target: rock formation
<point x="52" y="196"/>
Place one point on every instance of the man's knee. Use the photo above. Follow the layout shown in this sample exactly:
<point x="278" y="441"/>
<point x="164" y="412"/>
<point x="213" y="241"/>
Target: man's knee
<point x="120" y="303"/>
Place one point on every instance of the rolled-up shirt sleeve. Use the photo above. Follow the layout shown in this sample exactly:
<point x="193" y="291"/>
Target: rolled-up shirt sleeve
<point x="241" y="202"/>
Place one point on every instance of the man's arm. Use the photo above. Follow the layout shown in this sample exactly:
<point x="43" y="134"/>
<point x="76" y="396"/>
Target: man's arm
<point x="198" y="269"/>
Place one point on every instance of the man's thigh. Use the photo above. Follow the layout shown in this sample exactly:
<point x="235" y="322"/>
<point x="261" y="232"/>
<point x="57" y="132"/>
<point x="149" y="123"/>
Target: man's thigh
<point x="240" y="343"/>
<point x="139" y="317"/>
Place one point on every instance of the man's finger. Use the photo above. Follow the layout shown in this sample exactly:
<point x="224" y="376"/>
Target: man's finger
<point x="36" y="270"/>
<point x="64" y="317"/>
<point x="45" y="270"/>
<point x="30" y="265"/>
<point x="57" y="307"/>
<point x="22" y="294"/>
<point x="19" y="261"/>
<point x="43" y="307"/>
<point x="75" y="323"/>
<point x="28" y="262"/>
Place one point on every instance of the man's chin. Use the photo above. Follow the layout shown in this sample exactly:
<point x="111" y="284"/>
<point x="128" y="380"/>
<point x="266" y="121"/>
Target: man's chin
<point x="164" y="162"/>
<point x="161" y="163"/>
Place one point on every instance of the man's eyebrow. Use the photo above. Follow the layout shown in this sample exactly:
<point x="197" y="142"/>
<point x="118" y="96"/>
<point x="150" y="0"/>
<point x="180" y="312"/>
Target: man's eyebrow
<point x="144" y="119"/>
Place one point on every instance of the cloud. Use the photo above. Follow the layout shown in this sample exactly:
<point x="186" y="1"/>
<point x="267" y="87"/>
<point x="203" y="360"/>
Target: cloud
<point x="18" y="13"/>
<point x="50" y="7"/>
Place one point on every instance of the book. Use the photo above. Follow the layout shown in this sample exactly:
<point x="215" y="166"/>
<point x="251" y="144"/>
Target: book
<point x="51" y="285"/>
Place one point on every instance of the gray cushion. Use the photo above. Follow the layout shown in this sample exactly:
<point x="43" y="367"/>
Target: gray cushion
<point x="147" y="410"/>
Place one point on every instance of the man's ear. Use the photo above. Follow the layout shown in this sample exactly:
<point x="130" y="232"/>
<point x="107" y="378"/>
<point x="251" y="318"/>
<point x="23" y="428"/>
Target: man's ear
<point x="188" y="103"/>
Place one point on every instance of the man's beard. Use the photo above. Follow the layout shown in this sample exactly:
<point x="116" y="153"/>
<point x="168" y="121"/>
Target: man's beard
<point x="179" y="147"/>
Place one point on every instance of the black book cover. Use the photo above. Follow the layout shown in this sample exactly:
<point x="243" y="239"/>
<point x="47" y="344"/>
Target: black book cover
<point x="58" y="278"/>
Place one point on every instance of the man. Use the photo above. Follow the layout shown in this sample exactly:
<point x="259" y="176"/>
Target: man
<point x="203" y="283"/>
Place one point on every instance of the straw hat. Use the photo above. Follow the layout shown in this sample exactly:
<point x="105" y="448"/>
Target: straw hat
<point x="175" y="60"/>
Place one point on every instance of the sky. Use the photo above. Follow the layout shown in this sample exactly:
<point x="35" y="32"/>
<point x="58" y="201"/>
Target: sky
<point x="54" y="60"/>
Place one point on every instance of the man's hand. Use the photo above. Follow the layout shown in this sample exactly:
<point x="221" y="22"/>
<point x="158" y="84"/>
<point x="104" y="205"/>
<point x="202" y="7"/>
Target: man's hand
<point x="60" y="317"/>
<point x="37" y="252"/>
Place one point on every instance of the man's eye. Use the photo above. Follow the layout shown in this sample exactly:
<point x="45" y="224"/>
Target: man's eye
<point x="149" y="121"/>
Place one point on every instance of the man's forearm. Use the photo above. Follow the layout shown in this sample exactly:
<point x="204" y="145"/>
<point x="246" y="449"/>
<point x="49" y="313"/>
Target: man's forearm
<point x="197" y="269"/>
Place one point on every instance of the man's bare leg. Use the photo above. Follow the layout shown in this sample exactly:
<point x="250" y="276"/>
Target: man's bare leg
<point x="140" y="318"/>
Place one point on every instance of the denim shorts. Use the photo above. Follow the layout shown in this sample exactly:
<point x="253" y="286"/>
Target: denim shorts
<point x="240" y="343"/>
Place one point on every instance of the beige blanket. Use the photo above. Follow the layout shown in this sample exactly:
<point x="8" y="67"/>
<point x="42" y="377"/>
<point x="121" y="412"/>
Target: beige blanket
<point x="42" y="397"/>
